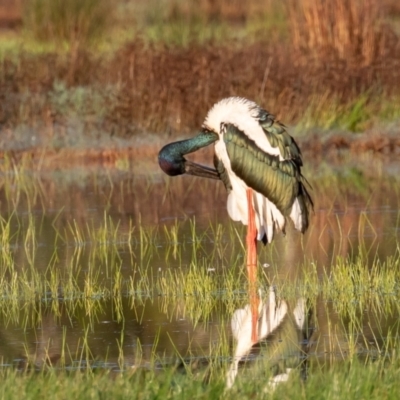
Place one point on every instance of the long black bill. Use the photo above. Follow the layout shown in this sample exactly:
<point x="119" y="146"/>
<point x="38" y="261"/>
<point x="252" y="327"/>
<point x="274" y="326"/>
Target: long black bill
<point x="192" y="168"/>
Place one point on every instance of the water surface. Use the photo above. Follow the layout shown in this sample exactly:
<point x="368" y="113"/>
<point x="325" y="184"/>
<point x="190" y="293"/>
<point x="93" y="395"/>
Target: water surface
<point x="117" y="269"/>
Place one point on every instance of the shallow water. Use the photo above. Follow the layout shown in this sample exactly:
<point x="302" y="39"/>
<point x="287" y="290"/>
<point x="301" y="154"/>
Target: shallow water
<point x="109" y="269"/>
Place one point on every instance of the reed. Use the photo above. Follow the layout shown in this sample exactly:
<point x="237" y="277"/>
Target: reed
<point x="352" y="31"/>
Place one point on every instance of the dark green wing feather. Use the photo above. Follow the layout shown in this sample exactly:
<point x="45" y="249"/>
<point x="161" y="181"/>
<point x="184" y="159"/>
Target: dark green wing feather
<point x="278" y="137"/>
<point x="279" y="181"/>
<point x="223" y="174"/>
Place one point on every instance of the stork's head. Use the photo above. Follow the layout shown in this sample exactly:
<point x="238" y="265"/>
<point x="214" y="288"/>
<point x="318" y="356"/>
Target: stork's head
<point x="172" y="161"/>
<point x="244" y="114"/>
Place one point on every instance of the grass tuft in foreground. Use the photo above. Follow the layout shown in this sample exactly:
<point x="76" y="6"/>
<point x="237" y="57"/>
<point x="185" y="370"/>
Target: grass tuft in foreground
<point x="353" y="379"/>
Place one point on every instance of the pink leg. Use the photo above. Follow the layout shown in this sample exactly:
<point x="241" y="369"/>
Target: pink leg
<point x="251" y="242"/>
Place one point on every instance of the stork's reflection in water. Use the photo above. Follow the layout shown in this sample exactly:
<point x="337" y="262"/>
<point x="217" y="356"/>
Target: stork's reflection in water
<point x="282" y="336"/>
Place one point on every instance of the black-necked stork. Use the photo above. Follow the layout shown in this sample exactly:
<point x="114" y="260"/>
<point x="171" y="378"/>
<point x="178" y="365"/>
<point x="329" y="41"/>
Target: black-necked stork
<point x="260" y="166"/>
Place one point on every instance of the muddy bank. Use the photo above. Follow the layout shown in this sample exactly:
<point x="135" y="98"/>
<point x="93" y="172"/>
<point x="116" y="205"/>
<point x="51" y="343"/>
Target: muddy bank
<point x="122" y="153"/>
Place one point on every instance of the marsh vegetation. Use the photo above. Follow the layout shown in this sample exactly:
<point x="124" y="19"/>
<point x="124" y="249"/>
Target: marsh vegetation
<point x="117" y="281"/>
<point x="159" y="67"/>
<point x="111" y="275"/>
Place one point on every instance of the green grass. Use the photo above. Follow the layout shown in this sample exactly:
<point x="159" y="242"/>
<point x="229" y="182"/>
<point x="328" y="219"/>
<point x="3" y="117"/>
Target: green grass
<point x="96" y="270"/>
<point x="183" y="32"/>
<point x="49" y="26"/>
<point x="368" y="110"/>
<point x="107" y="269"/>
<point x="75" y="22"/>
<point x="375" y="380"/>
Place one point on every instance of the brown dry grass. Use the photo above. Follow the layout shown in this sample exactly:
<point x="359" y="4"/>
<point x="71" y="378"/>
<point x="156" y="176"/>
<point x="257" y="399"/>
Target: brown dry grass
<point x="163" y="89"/>
<point x="337" y="51"/>
<point x="341" y="29"/>
<point x="172" y="90"/>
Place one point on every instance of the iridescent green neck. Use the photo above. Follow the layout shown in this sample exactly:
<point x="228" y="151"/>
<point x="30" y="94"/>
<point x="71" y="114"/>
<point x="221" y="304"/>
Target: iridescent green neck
<point x="170" y="157"/>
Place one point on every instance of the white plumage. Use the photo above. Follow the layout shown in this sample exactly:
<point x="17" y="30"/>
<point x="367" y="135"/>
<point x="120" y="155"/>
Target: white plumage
<point x="244" y="115"/>
<point x="260" y="166"/>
